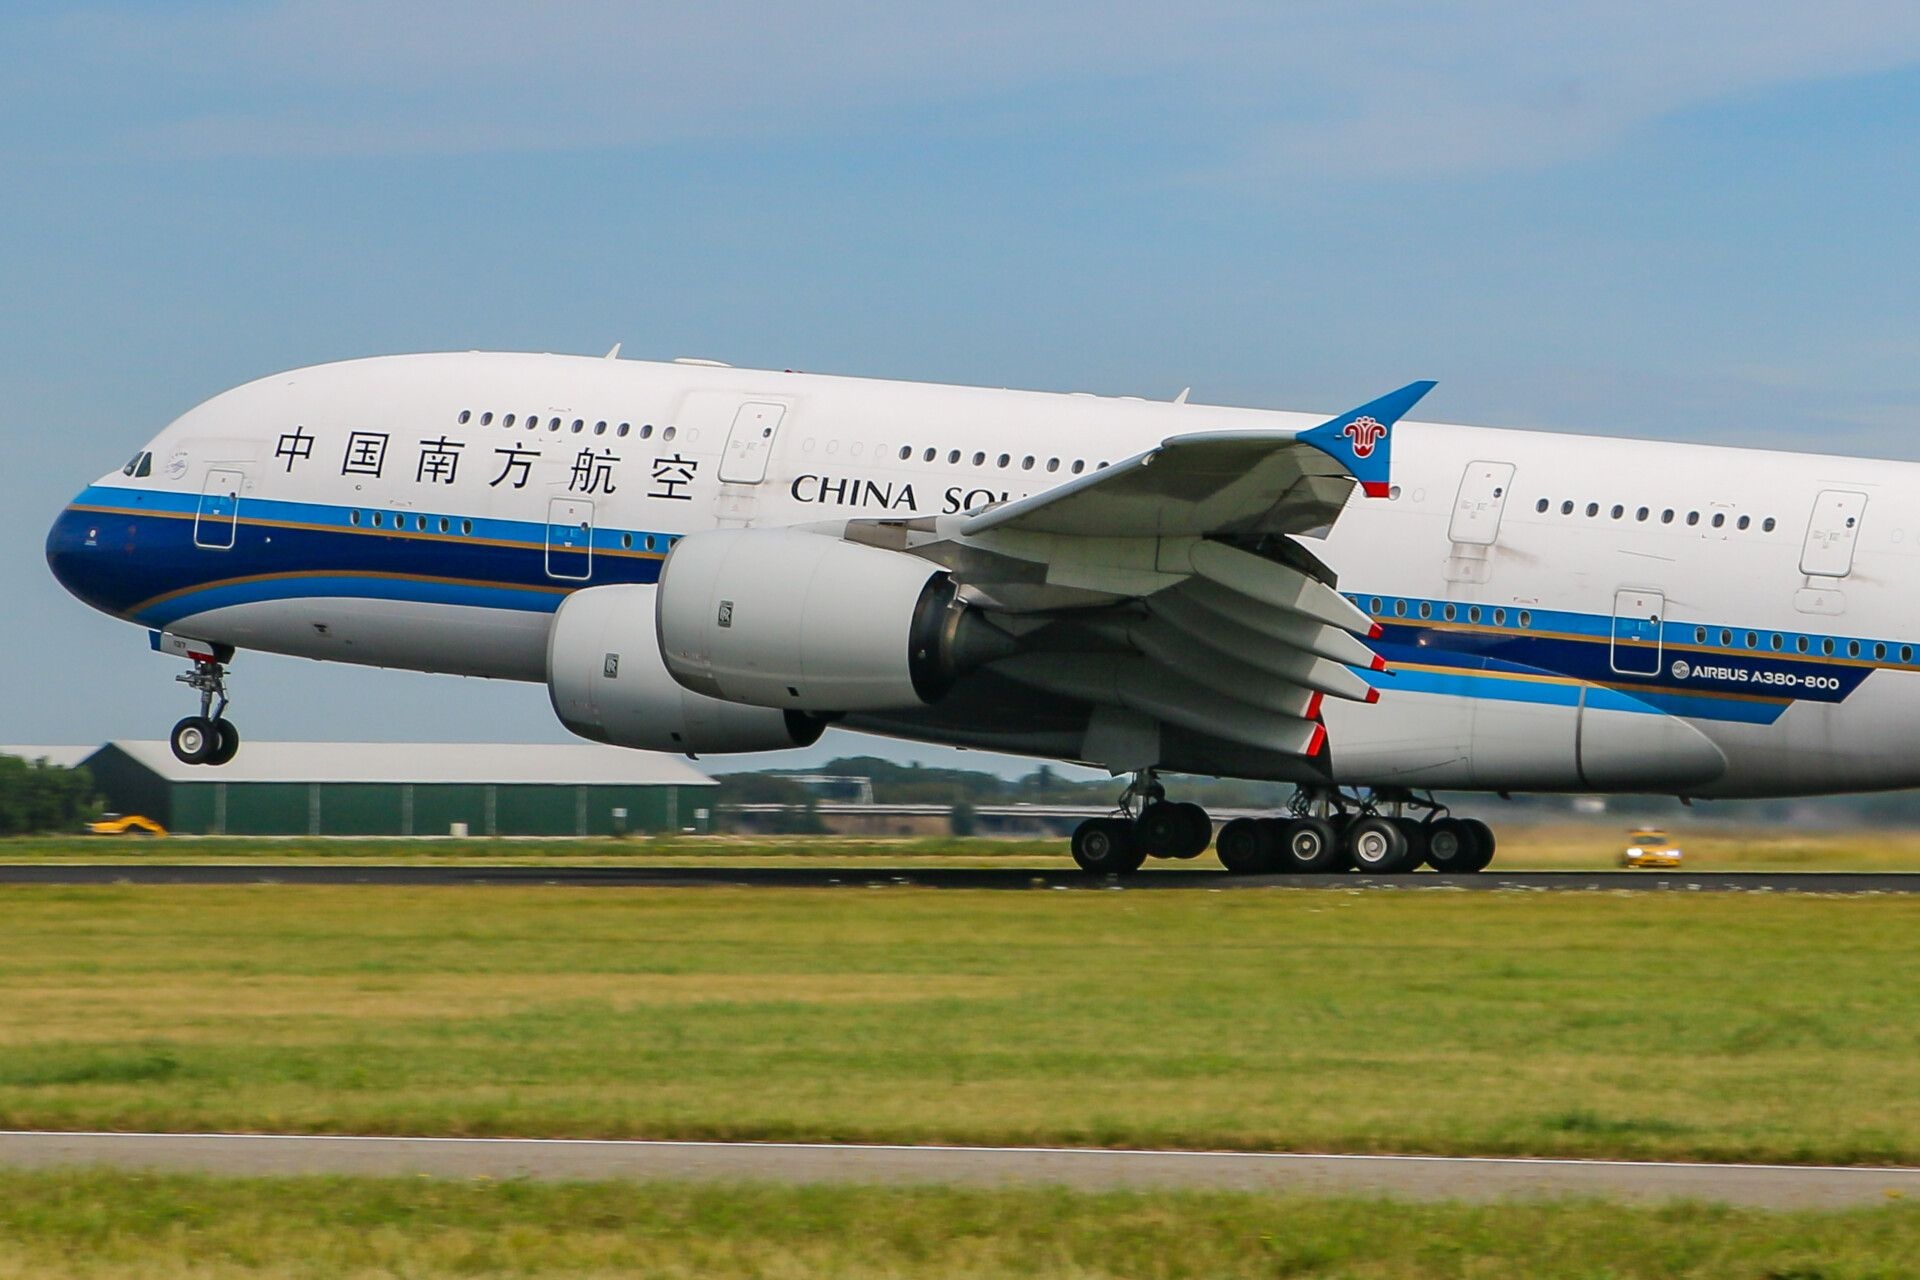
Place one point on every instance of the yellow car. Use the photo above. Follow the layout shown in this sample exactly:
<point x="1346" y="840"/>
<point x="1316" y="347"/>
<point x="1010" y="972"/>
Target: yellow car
<point x="1650" y="847"/>
<point x="132" y="824"/>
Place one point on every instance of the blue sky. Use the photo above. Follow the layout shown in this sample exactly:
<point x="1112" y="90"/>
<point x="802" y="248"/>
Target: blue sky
<point x="1691" y="221"/>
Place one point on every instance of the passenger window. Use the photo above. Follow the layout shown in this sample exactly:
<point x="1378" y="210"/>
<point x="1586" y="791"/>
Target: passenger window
<point x="1745" y="521"/>
<point x="906" y="451"/>
<point x="578" y="426"/>
<point x="1666" y="517"/>
<point x="1641" y="515"/>
<point x="1473" y="613"/>
<point x="1373" y="606"/>
<point x="1719" y="519"/>
<point x="1526" y="618"/>
<point x="466" y="526"/>
<point x="1593" y="509"/>
<point x="507" y="421"/>
<point x="1618" y="511"/>
<point x="1079" y="465"/>
<point x="1426" y="609"/>
<point x="465" y="414"/>
<point x="1448" y="613"/>
<point x="486" y="419"/>
<point x="1399" y="608"/>
<point x="1540" y="506"/>
<point x="1566" y="508"/>
<point x="1766" y="526"/>
<point x="1880" y="651"/>
<point x="599" y="428"/>
<point x="1499" y="617"/>
<point x="1853" y="648"/>
<point x="1699" y="635"/>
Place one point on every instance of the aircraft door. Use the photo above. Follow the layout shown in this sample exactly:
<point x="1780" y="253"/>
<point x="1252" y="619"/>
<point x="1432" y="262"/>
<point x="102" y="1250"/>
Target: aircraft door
<point x="569" y="539"/>
<point x="1482" y="498"/>
<point x="1831" y="533"/>
<point x="219" y="511"/>
<point x="750" y="442"/>
<point x="1637" y="616"/>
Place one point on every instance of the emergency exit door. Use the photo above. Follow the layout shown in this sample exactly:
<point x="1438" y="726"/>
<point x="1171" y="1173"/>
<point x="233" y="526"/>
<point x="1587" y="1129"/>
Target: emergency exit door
<point x="1637" y="616"/>
<point x="750" y="443"/>
<point x="1477" y="507"/>
<point x="569" y="539"/>
<point x="219" y="511"/>
<point x="1831" y="534"/>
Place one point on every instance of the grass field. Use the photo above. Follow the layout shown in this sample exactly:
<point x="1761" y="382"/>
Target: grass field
<point x="73" y="1225"/>
<point x="1702" y="1026"/>
<point x="1559" y="846"/>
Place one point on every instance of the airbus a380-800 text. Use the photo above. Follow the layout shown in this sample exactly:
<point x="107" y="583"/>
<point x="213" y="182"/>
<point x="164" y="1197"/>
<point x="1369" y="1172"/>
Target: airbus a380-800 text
<point x="696" y="558"/>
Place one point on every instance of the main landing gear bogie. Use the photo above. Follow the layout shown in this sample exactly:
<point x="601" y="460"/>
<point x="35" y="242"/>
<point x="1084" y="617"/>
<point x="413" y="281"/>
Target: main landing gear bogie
<point x="208" y="738"/>
<point x="1322" y="834"/>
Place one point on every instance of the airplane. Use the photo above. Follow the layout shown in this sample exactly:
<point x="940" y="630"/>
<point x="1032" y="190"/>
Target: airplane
<point x="702" y="559"/>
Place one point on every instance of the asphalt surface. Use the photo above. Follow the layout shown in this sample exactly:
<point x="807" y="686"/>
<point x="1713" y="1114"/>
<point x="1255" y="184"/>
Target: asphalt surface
<point x="1401" y="1177"/>
<point x="936" y="877"/>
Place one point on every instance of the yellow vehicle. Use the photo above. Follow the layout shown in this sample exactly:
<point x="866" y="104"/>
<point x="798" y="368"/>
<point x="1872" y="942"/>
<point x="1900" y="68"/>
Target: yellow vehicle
<point x="1650" y="847"/>
<point x="131" y="824"/>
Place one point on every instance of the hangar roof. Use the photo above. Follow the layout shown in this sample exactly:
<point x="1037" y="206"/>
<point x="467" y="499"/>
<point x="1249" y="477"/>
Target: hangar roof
<point x="544" y="764"/>
<point x="65" y="757"/>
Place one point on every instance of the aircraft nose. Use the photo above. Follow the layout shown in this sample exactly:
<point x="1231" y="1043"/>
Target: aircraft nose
<point x="78" y="556"/>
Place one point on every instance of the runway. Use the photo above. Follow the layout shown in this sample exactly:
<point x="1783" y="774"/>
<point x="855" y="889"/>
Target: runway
<point x="812" y="877"/>
<point x="1400" y="1177"/>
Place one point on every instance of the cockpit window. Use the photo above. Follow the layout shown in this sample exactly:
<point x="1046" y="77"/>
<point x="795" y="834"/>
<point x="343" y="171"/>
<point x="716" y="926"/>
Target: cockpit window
<point x="140" y="465"/>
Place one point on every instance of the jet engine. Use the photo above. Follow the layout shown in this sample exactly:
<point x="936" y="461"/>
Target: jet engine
<point x="607" y="682"/>
<point x="805" y="621"/>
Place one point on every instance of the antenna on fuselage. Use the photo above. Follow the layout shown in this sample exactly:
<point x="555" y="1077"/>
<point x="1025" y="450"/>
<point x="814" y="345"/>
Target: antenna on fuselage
<point x="1182" y="397"/>
<point x="615" y="353"/>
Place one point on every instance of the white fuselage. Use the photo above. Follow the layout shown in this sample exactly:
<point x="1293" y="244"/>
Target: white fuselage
<point x="389" y="513"/>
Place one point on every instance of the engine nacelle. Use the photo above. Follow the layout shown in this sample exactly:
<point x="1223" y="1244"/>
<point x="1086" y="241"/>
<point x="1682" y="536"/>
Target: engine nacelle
<point x="607" y="682"/>
<point x="782" y="618"/>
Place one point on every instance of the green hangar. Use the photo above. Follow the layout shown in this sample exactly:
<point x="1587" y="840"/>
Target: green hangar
<point x="406" y="789"/>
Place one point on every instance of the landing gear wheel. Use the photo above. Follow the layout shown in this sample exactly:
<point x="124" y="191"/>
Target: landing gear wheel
<point x="1309" y="845"/>
<point x="1173" y="830"/>
<point x="1106" y="846"/>
<point x="1246" y="847"/>
<point x="1449" y="844"/>
<point x="194" y="740"/>
<point x="228" y="739"/>
<point x="1480" y="845"/>
<point x="1377" y="846"/>
<point x="1199" y="830"/>
<point x="1416" y="833"/>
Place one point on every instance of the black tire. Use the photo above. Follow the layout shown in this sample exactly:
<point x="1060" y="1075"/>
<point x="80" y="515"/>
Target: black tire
<point x="1309" y="846"/>
<point x="1416" y="833"/>
<point x="1450" y="845"/>
<point x="1482" y="845"/>
<point x="194" y="740"/>
<point x="1376" y="846"/>
<point x="1161" y="830"/>
<point x="1246" y="847"/>
<point x="1198" y="830"/>
<point x="228" y="739"/>
<point x="1106" y="846"/>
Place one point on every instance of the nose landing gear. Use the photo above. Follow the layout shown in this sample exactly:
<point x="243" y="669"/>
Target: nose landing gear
<point x="208" y="738"/>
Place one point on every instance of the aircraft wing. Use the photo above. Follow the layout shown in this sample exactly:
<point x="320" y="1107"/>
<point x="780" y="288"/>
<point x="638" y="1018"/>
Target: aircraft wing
<point x="1168" y="589"/>
<point x="1221" y="482"/>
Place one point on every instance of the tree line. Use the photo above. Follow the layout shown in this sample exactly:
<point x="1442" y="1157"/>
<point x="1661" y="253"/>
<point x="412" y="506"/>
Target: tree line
<point x="37" y="796"/>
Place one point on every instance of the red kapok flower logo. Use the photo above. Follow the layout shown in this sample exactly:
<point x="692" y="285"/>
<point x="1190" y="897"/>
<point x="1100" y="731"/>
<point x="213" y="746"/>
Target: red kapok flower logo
<point x="1365" y="433"/>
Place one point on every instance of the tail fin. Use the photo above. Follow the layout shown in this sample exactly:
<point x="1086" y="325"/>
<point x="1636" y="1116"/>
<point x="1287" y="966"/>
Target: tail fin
<point x="1362" y="440"/>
